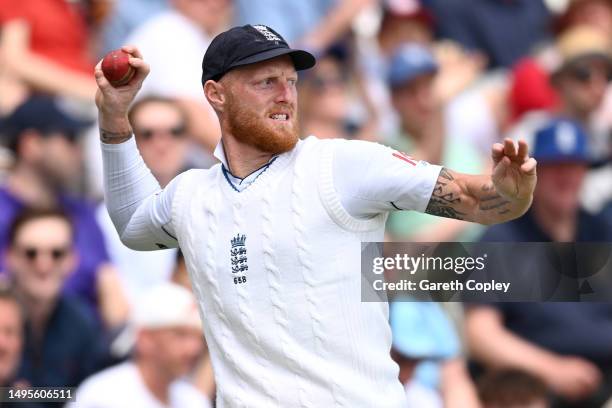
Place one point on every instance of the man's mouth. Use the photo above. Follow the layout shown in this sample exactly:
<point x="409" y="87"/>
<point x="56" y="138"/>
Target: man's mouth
<point x="283" y="117"/>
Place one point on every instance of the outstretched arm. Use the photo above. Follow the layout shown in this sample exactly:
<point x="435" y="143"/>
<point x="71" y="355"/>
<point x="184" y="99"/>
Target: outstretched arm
<point x="500" y="197"/>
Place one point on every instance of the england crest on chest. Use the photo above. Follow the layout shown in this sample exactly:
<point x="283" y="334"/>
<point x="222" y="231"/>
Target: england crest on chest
<point x="238" y="258"/>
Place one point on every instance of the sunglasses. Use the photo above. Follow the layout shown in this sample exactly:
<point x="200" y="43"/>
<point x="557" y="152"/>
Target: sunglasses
<point x="585" y="73"/>
<point x="57" y="254"/>
<point x="177" y="132"/>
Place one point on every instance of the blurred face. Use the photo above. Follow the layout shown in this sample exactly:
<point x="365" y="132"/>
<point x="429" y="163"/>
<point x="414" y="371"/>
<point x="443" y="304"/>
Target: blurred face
<point x="61" y="159"/>
<point x="261" y="105"/>
<point x="10" y="339"/>
<point x="583" y="85"/>
<point x="162" y="139"/>
<point x="41" y="258"/>
<point x="211" y="15"/>
<point x="174" y="350"/>
<point x="559" y="186"/>
<point x="323" y="91"/>
<point x="415" y="102"/>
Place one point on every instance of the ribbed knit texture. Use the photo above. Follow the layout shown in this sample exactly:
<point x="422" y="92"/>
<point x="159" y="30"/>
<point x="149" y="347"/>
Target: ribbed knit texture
<point x="296" y="333"/>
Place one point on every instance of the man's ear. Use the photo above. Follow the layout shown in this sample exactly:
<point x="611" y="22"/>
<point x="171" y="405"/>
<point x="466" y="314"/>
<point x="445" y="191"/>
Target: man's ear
<point x="215" y="94"/>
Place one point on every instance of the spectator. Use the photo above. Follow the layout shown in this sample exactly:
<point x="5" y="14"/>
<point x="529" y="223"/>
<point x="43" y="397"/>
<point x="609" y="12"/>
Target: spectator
<point x="315" y="24"/>
<point x="581" y="79"/>
<point x="503" y="30"/>
<point x="160" y="127"/>
<point x="44" y="48"/>
<point x="326" y="99"/>
<point x="11" y="337"/>
<point x="168" y="342"/>
<point x="423" y="135"/>
<point x="565" y="345"/>
<point x="427" y="350"/>
<point x="61" y="342"/>
<point x="45" y="141"/>
<point x="512" y="389"/>
<point x="175" y="59"/>
<point x="125" y="17"/>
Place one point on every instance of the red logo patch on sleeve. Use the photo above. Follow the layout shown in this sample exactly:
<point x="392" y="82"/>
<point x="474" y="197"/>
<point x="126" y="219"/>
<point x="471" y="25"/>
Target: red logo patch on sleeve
<point x="403" y="156"/>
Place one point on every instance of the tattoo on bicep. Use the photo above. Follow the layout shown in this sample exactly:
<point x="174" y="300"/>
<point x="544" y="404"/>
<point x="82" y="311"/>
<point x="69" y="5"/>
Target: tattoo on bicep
<point x="443" y="202"/>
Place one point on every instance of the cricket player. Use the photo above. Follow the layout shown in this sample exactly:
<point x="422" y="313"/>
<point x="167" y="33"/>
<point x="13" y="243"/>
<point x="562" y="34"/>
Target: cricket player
<point x="271" y="235"/>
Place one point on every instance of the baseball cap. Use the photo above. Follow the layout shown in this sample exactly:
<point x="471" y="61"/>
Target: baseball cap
<point x="409" y="61"/>
<point x="166" y="305"/>
<point x="44" y="114"/>
<point x="560" y="141"/>
<point x="245" y="45"/>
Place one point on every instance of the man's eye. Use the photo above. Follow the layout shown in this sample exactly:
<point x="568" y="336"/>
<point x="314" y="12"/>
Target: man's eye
<point x="267" y="81"/>
<point x="292" y="82"/>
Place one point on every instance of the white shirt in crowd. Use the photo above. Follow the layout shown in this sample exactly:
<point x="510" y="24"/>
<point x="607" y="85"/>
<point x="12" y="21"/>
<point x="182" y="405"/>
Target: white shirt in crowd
<point x="122" y="386"/>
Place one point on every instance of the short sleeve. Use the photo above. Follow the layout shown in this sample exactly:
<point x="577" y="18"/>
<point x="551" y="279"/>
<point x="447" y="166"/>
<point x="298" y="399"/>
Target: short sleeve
<point x="371" y="178"/>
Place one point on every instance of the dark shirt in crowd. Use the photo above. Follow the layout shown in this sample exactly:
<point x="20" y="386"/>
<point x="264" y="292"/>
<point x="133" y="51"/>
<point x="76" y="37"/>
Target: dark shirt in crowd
<point x="505" y="30"/>
<point x="567" y="328"/>
<point x="68" y="352"/>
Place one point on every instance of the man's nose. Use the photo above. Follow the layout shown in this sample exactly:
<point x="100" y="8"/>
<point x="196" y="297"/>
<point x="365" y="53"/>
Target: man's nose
<point x="286" y="92"/>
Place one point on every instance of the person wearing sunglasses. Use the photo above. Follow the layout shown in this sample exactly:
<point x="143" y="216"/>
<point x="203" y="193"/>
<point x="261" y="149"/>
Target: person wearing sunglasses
<point x="61" y="345"/>
<point x="581" y="79"/>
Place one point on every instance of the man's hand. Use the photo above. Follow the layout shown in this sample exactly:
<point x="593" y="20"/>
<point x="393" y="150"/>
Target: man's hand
<point x="572" y="377"/>
<point x="514" y="172"/>
<point x="113" y="103"/>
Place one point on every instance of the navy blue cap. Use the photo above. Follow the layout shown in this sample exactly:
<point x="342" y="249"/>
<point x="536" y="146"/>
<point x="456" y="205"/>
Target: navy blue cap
<point x="245" y="45"/>
<point x="561" y="141"/>
<point x="43" y="114"/>
<point x="409" y="61"/>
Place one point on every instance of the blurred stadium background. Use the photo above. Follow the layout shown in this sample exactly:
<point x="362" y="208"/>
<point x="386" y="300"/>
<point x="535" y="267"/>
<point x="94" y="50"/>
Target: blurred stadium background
<point x="441" y="80"/>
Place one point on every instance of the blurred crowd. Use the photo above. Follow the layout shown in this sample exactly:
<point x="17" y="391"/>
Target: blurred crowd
<point x="441" y="80"/>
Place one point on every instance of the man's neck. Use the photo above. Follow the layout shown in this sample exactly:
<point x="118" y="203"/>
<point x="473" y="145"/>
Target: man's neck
<point x="243" y="159"/>
<point x="559" y="227"/>
<point x="38" y="313"/>
<point x="28" y="186"/>
<point x="154" y="380"/>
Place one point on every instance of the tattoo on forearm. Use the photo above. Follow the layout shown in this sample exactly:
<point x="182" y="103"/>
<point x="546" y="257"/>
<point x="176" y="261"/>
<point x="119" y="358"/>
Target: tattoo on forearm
<point x="487" y="203"/>
<point x="443" y="201"/>
<point x="113" y="137"/>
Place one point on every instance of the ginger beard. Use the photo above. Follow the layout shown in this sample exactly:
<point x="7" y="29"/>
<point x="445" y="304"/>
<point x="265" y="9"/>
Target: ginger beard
<point x="258" y="130"/>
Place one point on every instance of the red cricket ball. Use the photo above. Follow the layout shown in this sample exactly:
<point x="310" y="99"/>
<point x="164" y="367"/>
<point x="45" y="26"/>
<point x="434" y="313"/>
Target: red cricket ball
<point x="116" y="68"/>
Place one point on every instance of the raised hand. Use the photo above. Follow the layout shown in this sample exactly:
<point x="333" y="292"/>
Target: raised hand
<point x="114" y="102"/>
<point x="514" y="172"/>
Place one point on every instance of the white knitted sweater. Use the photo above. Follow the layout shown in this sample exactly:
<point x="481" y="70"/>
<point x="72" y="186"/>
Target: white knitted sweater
<point x="276" y="270"/>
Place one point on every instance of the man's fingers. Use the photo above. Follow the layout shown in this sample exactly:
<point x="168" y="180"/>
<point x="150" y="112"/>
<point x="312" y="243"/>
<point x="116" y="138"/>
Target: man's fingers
<point x="132" y="50"/>
<point x="510" y="148"/>
<point x="101" y="80"/>
<point x="141" y="67"/>
<point x="523" y="150"/>
<point x="529" y="167"/>
<point x="497" y="152"/>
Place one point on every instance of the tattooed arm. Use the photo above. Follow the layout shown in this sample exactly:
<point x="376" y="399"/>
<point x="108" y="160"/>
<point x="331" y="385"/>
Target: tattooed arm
<point x="503" y="196"/>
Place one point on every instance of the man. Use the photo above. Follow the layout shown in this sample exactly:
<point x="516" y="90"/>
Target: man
<point x="565" y="345"/>
<point x="272" y="235"/>
<point x="177" y="56"/>
<point x="423" y="133"/>
<point x="168" y="342"/>
<point x="45" y="140"/>
<point x="61" y="340"/>
<point x="11" y="336"/>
